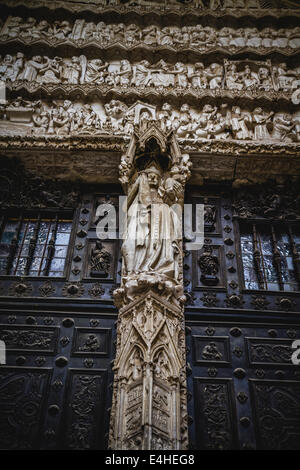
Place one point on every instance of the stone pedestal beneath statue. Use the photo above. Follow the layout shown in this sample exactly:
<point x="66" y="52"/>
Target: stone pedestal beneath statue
<point x="149" y="384"/>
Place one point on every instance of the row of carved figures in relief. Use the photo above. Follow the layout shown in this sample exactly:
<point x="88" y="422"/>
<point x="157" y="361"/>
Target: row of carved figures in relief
<point x="233" y="75"/>
<point x="212" y="122"/>
<point x="198" y="36"/>
<point x="200" y="4"/>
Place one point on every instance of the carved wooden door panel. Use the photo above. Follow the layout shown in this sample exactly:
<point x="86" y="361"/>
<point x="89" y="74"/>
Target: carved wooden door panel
<point x="59" y="332"/>
<point x="54" y="389"/>
<point x="243" y="386"/>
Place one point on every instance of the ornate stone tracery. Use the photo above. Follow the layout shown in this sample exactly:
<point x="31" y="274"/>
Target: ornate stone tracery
<point x="149" y="399"/>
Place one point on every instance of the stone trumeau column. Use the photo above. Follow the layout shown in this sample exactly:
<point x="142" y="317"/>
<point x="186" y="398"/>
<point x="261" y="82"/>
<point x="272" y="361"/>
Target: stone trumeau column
<point x="149" y="394"/>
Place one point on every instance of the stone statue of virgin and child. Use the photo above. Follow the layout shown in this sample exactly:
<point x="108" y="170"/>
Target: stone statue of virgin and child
<point x="152" y="248"/>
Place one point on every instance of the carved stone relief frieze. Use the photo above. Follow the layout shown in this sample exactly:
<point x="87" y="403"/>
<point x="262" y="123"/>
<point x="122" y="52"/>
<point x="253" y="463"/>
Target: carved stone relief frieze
<point x="256" y="8"/>
<point x="224" y="122"/>
<point x="243" y="75"/>
<point x="199" y="37"/>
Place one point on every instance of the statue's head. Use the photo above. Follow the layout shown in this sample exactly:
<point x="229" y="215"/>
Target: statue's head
<point x="153" y="175"/>
<point x="185" y="108"/>
<point x="43" y="23"/>
<point x="145" y="115"/>
<point x="166" y="107"/>
<point x="8" y="58"/>
<point x="236" y="110"/>
<point x="199" y="66"/>
<point x="207" y="108"/>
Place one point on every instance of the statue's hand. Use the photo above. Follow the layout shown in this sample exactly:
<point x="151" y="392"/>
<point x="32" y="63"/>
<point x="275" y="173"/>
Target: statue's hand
<point x="155" y="244"/>
<point x="177" y="185"/>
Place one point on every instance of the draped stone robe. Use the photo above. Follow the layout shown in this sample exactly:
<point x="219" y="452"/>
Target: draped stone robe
<point x="153" y="232"/>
